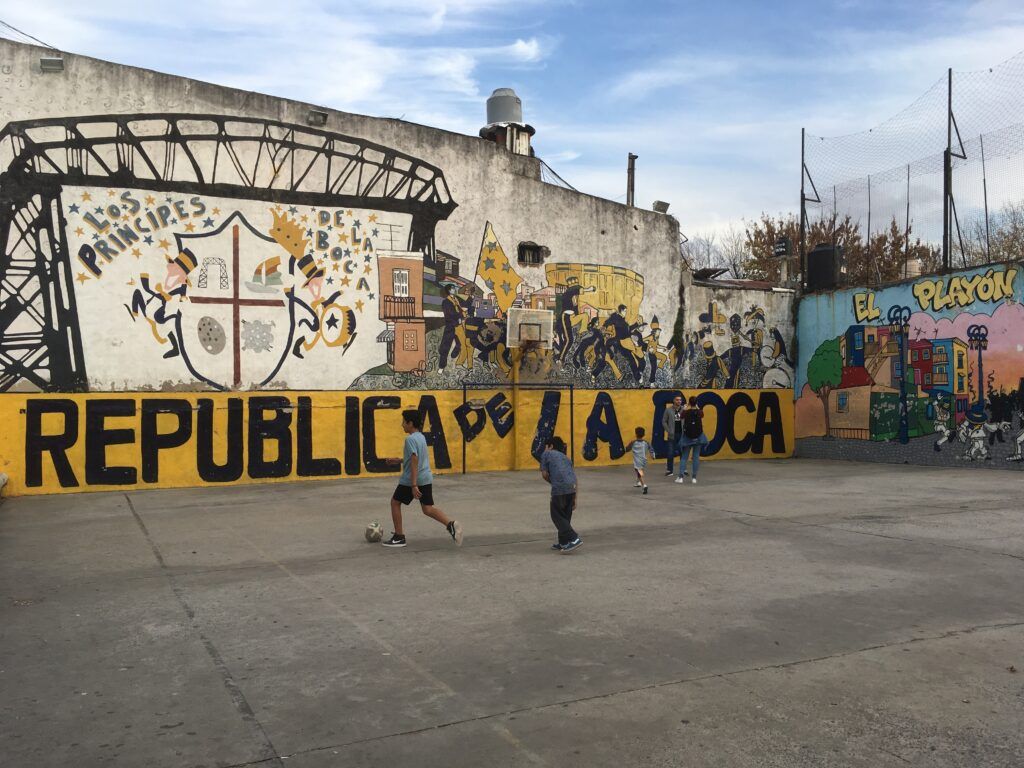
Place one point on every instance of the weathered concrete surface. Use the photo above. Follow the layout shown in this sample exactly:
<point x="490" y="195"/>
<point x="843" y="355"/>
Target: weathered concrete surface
<point x="762" y="618"/>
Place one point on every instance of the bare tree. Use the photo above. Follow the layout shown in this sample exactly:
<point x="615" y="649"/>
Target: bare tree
<point x="734" y="250"/>
<point x="701" y="252"/>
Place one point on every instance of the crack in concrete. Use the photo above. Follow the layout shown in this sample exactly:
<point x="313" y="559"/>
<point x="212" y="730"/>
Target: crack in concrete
<point x="653" y="686"/>
<point x="234" y="691"/>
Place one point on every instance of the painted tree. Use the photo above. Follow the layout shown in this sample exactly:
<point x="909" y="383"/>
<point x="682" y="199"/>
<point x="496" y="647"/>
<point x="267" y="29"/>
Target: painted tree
<point x="825" y="373"/>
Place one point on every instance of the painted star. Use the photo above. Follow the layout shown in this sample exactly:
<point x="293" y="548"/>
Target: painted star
<point x="309" y="233"/>
<point x="374" y="233"/>
<point x="330" y="227"/>
<point x="368" y="258"/>
<point x="347" y="253"/>
<point x="148" y="240"/>
<point x="126" y="217"/>
<point x="169" y="199"/>
<point x="293" y="210"/>
<point x="99" y="209"/>
<point x="371" y="297"/>
<point x="346" y="281"/>
<point x="278" y="208"/>
<point x="335" y="266"/>
<point x="215" y="211"/>
<point x="359" y="304"/>
<point x="489" y="284"/>
<point x="190" y="227"/>
<point x="367" y="269"/>
<point x="164" y="244"/>
<point x="506" y="287"/>
<point x="95" y="236"/>
<point x="357" y="223"/>
<point x="491" y="245"/>
<point x="79" y="231"/>
<point x="332" y="322"/>
<point x="207" y="222"/>
<point x="73" y="208"/>
<point x="349" y="214"/>
<point x="488" y="263"/>
<point x="372" y="217"/>
<point x="342" y="237"/>
<point x="136" y="252"/>
<point x="330" y="281"/>
<point x="174" y="221"/>
<point x="110" y="193"/>
<point x="150" y="200"/>
<point x="506" y="267"/>
<point x="303" y="218"/>
<point x="86" y="197"/>
<point x="82" y="277"/>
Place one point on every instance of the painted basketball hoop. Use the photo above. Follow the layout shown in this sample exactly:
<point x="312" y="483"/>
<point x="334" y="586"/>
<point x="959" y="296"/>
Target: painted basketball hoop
<point x="530" y="329"/>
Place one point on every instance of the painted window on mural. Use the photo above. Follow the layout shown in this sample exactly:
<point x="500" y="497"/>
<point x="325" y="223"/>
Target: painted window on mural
<point x="410" y="341"/>
<point x="925" y="354"/>
<point x="858" y="340"/>
<point x="842" y="402"/>
<point x="400" y="282"/>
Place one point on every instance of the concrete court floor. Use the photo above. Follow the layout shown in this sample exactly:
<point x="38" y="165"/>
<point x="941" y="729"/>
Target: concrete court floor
<point x="780" y="613"/>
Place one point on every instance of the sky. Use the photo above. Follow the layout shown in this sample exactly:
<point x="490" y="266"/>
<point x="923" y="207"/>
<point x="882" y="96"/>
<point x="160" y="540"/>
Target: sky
<point x="710" y="95"/>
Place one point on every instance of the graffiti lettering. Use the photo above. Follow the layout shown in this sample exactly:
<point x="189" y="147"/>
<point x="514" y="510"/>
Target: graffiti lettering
<point x="864" y="308"/>
<point x="963" y="290"/>
<point x="98" y="441"/>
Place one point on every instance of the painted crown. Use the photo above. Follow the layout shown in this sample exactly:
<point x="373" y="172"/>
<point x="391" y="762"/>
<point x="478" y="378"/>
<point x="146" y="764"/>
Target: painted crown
<point x="288" y="234"/>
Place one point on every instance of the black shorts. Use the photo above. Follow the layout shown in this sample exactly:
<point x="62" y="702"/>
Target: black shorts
<point x="403" y="495"/>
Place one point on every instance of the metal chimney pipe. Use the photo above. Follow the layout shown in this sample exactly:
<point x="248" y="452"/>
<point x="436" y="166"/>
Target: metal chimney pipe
<point x="631" y="179"/>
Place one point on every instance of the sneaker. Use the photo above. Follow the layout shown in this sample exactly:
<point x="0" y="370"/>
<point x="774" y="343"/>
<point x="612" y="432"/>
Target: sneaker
<point x="694" y="481"/>
<point x="668" y="472"/>
<point x="645" y="490"/>
<point x="637" y="484"/>
<point x="574" y="544"/>
<point x="395" y="541"/>
<point x="455" y="530"/>
<point x="557" y="547"/>
<point x="679" y="479"/>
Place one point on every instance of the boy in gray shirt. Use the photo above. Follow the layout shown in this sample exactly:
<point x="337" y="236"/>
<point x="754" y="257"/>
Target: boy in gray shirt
<point x="416" y="482"/>
<point x="556" y="468"/>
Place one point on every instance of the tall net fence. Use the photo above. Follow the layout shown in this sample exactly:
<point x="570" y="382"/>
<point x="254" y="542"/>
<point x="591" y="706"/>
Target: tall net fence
<point x="882" y="191"/>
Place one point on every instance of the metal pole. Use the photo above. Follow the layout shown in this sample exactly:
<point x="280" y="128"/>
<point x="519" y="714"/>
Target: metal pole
<point x="631" y="179"/>
<point x="984" y="191"/>
<point x="803" y="212"/>
<point x="871" y="256"/>
<point x="463" y="434"/>
<point x="572" y="422"/>
<point x="906" y="232"/>
<point x="947" y="170"/>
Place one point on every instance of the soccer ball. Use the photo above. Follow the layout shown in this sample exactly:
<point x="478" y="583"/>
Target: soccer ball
<point x="374" y="532"/>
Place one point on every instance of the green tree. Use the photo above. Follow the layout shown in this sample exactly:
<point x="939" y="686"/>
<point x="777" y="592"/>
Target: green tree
<point x="825" y="372"/>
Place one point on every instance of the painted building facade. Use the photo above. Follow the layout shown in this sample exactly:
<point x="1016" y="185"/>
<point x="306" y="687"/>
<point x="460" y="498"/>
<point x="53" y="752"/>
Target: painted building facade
<point x="927" y="371"/>
<point x="211" y="246"/>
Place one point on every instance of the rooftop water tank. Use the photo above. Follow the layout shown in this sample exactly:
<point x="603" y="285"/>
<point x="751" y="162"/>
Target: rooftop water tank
<point x="504" y="107"/>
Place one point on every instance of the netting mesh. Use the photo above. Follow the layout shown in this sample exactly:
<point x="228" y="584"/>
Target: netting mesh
<point x="892" y="175"/>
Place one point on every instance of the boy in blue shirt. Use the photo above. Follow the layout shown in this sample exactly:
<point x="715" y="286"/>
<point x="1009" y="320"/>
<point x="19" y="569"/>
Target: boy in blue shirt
<point x="417" y="482"/>
<point x="641" y="451"/>
<point x="556" y="468"/>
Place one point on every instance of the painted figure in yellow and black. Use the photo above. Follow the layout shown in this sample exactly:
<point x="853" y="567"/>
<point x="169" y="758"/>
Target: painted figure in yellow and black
<point x="157" y="298"/>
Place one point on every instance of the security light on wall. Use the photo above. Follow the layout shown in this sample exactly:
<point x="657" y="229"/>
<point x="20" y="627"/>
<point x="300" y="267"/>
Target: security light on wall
<point x="51" y="64"/>
<point x="317" y="118"/>
<point x="660" y="206"/>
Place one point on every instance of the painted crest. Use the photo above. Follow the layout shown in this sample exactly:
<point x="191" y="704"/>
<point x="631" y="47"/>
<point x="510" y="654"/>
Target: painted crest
<point x="236" y="293"/>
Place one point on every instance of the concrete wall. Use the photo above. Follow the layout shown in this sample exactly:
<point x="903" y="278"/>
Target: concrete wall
<point x="955" y="369"/>
<point x="250" y="290"/>
<point x="133" y="336"/>
<point x="735" y="337"/>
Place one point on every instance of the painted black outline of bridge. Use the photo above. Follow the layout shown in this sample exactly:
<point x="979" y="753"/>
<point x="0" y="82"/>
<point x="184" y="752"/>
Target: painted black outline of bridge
<point x="213" y="155"/>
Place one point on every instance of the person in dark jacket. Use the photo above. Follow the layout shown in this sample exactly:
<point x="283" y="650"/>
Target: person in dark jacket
<point x="693" y="439"/>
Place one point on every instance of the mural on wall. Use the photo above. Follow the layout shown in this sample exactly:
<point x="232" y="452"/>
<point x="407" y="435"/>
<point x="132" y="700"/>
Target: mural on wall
<point x="212" y="252"/>
<point x="445" y="330"/>
<point x="99" y="441"/>
<point x="733" y="348"/>
<point x="929" y="371"/>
